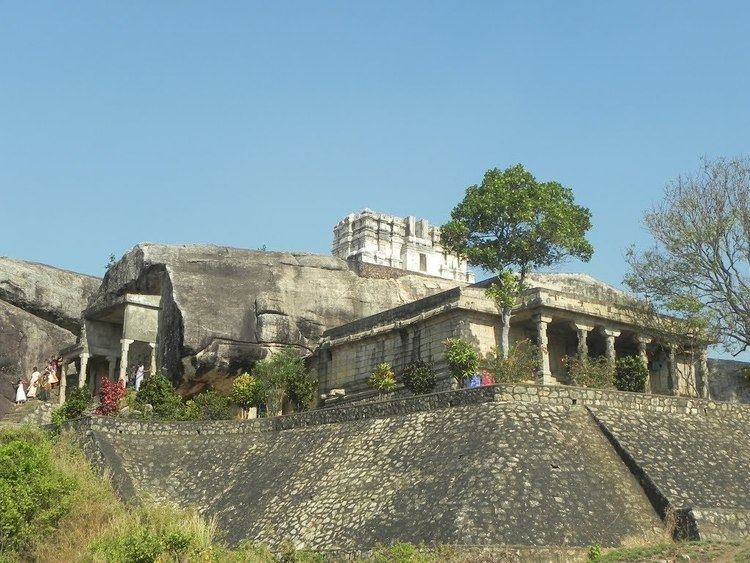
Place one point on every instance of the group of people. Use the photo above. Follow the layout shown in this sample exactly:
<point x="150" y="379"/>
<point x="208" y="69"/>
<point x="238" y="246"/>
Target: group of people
<point x="40" y="384"/>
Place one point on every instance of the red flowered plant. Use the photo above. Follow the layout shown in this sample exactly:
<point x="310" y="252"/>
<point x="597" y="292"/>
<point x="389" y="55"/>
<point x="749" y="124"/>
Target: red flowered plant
<point x="110" y="395"/>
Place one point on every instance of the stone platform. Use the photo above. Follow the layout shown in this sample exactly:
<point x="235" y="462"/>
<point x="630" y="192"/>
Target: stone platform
<point x="521" y="465"/>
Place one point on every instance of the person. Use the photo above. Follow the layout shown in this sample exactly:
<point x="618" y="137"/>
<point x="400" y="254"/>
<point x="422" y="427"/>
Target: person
<point x="487" y="378"/>
<point x="20" y="393"/>
<point x="33" y="383"/>
<point x="52" y="369"/>
<point x="139" y="376"/>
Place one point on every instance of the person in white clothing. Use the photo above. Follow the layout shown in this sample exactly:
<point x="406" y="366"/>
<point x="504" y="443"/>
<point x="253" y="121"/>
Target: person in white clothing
<point x="20" y="393"/>
<point x="139" y="376"/>
<point x="34" y="383"/>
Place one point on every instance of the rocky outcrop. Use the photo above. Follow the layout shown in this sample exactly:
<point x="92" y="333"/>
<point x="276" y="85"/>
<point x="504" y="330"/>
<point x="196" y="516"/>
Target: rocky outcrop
<point x="40" y="310"/>
<point x="225" y="308"/>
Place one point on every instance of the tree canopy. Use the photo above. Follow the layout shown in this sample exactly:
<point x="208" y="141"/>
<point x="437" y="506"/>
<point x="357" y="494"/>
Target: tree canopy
<point x="699" y="265"/>
<point x="511" y="220"/>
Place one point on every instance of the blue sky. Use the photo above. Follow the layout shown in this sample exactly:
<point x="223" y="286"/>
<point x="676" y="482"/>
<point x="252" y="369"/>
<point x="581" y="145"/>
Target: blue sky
<point x="252" y="124"/>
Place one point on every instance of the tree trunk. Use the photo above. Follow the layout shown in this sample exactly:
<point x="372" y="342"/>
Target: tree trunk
<point x="505" y="334"/>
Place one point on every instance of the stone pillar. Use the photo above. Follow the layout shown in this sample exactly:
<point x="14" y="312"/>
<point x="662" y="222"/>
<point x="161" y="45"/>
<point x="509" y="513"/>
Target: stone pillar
<point x="674" y="378"/>
<point x="610" y="336"/>
<point x="703" y="367"/>
<point x="111" y="361"/>
<point x="642" y="342"/>
<point x="125" y="342"/>
<point x="63" y="381"/>
<point x="541" y="331"/>
<point x="153" y="357"/>
<point x="82" y="374"/>
<point x="582" y="331"/>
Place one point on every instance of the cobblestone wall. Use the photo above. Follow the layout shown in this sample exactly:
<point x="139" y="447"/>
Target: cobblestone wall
<point x="522" y="465"/>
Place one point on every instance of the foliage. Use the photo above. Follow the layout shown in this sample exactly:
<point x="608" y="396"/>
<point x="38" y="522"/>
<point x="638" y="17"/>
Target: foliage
<point x="462" y="359"/>
<point x="402" y="552"/>
<point x="595" y="552"/>
<point x="111" y="262"/>
<point x="697" y="268"/>
<point x="383" y="378"/>
<point x="522" y="363"/>
<point x="157" y="391"/>
<point x="630" y="374"/>
<point x="511" y="221"/>
<point x="76" y="402"/>
<point x="208" y="405"/>
<point x="246" y="391"/>
<point x="419" y="377"/>
<point x="109" y="396"/>
<point x="505" y="289"/>
<point x="596" y="373"/>
<point x="283" y="376"/>
<point x="34" y="495"/>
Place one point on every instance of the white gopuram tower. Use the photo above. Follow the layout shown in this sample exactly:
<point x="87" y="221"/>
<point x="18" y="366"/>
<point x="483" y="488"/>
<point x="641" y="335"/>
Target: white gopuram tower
<point x="406" y="243"/>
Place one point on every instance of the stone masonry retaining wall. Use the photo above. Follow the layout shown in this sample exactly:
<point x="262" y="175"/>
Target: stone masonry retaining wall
<point x="525" y="465"/>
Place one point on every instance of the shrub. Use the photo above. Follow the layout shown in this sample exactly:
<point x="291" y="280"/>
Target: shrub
<point x="208" y="405"/>
<point x="109" y="397"/>
<point x="34" y="494"/>
<point x="284" y="376"/>
<point x="383" y="379"/>
<point x="157" y="391"/>
<point x="522" y="363"/>
<point x="76" y="403"/>
<point x="630" y="374"/>
<point x="419" y="377"/>
<point x="596" y="373"/>
<point x="462" y="359"/>
<point x="245" y="392"/>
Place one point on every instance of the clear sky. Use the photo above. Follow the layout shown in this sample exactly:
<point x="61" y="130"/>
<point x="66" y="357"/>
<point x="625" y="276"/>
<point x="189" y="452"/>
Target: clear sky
<point x="264" y="123"/>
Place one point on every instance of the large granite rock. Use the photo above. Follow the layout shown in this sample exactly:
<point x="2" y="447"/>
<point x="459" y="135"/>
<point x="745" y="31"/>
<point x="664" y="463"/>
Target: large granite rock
<point x="225" y="308"/>
<point x="40" y="310"/>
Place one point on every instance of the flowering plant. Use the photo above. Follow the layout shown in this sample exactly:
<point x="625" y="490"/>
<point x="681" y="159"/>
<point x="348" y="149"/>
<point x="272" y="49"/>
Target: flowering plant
<point x="110" y="395"/>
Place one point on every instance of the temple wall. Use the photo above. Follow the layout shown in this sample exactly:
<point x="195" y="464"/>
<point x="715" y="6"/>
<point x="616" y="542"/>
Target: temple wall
<point x="522" y="465"/>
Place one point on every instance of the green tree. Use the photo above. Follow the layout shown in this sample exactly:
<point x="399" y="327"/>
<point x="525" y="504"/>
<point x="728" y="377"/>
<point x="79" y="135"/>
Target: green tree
<point x="419" y="377"/>
<point x="697" y="269"/>
<point x="510" y="224"/>
<point x="246" y="392"/>
<point x="383" y="378"/>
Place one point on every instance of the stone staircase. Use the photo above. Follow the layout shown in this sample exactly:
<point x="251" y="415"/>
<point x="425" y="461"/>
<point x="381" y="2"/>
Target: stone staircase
<point x="33" y="412"/>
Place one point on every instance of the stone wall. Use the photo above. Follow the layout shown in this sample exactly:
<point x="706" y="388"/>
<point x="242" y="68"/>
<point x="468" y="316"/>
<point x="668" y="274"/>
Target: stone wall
<point x="526" y="465"/>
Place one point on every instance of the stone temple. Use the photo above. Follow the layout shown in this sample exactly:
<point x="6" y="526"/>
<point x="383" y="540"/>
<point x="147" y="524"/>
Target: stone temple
<point x="203" y="314"/>
<point x="537" y="464"/>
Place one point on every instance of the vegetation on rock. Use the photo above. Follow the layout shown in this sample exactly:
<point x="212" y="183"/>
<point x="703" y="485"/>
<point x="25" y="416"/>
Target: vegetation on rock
<point x="76" y="402"/>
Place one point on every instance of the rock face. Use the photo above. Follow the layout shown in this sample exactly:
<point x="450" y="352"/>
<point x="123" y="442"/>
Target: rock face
<point x="225" y="308"/>
<point x="40" y="310"/>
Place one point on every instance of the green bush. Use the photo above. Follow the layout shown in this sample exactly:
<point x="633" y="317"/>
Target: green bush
<point x="596" y="373"/>
<point x="283" y="376"/>
<point x="246" y="392"/>
<point x="462" y="359"/>
<point x="157" y="391"/>
<point x="419" y="377"/>
<point x="34" y="494"/>
<point x="76" y="403"/>
<point x="630" y="374"/>
<point x="383" y="379"/>
<point x="208" y="405"/>
<point x="522" y="363"/>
